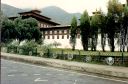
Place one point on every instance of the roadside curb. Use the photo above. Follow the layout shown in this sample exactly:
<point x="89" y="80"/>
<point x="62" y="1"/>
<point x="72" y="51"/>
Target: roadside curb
<point x="76" y="66"/>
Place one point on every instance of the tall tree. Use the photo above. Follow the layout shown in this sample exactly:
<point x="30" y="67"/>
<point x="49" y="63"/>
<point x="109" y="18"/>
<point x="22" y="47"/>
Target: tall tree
<point x="125" y="27"/>
<point x="27" y="29"/>
<point x="8" y="30"/>
<point x="113" y="15"/>
<point x="103" y="31"/>
<point x="85" y="28"/>
<point x="73" y="32"/>
<point x="21" y="31"/>
<point x="94" y="25"/>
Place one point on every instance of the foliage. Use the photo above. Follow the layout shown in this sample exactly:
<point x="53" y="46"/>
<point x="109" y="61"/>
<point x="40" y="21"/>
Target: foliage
<point x="85" y="29"/>
<point x="124" y="24"/>
<point x="27" y="29"/>
<point x="45" y="49"/>
<point x="103" y="31"/>
<point x="73" y="32"/>
<point x="92" y="53"/>
<point x="28" y="46"/>
<point x="115" y="9"/>
<point x="21" y="29"/>
<point x="12" y="46"/>
<point x="8" y="30"/>
<point x="95" y="21"/>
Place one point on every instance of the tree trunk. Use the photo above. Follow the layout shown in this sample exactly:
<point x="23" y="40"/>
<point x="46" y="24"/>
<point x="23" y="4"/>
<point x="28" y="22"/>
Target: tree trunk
<point x="85" y="43"/>
<point x="112" y="44"/>
<point x="85" y="47"/>
<point x="73" y="48"/>
<point x="92" y="45"/>
<point x="103" y="39"/>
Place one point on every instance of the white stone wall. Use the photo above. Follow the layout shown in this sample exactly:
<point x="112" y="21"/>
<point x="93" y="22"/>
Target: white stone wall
<point x="65" y="43"/>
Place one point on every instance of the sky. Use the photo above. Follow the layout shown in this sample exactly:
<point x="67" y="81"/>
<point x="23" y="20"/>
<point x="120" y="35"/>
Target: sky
<point x="71" y="6"/>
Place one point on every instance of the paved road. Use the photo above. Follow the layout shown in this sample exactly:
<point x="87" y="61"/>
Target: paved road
<point x="21" y="73"/>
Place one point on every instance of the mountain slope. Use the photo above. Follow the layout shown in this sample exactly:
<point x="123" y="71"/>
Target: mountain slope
<point x="57" y="14"/>
<point x="10" y="10"/>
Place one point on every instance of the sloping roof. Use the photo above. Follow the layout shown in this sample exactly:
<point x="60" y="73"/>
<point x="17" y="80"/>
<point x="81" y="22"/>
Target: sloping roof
<point x="31" y="12"/>
<point x="36" y="14"/>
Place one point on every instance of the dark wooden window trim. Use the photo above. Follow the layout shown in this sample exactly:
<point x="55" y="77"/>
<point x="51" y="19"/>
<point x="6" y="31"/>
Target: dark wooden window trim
<point x="53" y="32"/>
<point x="67" y="31"/>
<point x="62" y="36"/>
<point x="67" y="36"/>
<point x="48" y="32"/>
<point x="62" y="31"/>
<point x="57" y="36"/>
<point x="57" y="31"/>
<point x="48" y="37"/>
<point x="52" y="36"/>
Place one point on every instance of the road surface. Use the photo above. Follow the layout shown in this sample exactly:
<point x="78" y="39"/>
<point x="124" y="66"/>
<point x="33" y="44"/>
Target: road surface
<point x="22" y="73"/>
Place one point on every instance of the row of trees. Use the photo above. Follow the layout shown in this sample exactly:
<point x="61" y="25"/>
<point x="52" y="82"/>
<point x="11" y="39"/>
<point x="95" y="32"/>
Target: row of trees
<point x="20" y="29"/>
<point x="111" y="26"/>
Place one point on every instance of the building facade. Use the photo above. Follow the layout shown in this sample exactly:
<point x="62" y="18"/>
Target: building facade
<point x="52" y="32"/>
<point x="43" y="21"/>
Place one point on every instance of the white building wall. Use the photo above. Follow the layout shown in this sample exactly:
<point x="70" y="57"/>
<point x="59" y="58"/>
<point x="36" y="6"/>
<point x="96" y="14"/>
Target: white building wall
<point x="65" y="43"/>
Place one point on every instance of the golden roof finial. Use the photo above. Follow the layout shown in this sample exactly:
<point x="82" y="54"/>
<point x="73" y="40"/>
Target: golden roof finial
<point x="36" y="10"/>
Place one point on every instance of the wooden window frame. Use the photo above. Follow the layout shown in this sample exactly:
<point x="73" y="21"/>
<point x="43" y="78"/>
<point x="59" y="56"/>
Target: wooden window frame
<point x="57" y="36"/>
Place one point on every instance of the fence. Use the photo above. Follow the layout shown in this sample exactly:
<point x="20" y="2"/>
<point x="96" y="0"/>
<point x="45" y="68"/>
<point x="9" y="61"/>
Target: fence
<point x="120" y="58"/>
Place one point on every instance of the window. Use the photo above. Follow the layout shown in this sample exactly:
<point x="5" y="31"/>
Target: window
<point x="46" y="32"/>
<point x="57" y="31"/>
<point x="50" y="32"/>
<point x="52" y="36"/>
<point x="57" y="36"/>
<point x="62" y="31"/>
<point x="65" y="31"/>
<point x="62" y="36"/>
<point x="53" y="32"/>
<point x="43" y="32"/>
<point x="44" y="25"/>
<point x="48" y="37"/>
<point x="67" y="36"/>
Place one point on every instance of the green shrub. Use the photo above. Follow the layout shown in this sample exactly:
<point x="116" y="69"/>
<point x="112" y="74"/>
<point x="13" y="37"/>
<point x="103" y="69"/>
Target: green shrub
<point x="45" y="50"/>
<point x="13" y="47"/>
<point x="27" y="47"/>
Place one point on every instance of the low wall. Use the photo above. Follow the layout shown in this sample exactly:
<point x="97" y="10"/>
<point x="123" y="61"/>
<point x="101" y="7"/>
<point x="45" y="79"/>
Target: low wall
<point x="76" y="66"/>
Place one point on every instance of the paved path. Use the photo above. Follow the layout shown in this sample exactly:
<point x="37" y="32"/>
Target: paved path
<point x="21" y="73"/>
<point x="77" y="66"/>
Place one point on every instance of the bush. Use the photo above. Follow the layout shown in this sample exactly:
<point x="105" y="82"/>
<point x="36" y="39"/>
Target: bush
<point x="45" y="50"/>
<point x="27" y="47"/>
<point x="13" y="46"/>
